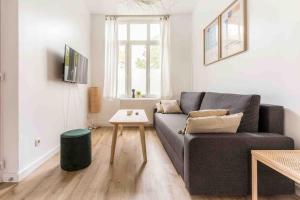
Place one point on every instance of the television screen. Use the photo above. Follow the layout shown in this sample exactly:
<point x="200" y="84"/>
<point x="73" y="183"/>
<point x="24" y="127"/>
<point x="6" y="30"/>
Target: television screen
<point x="75" y="66"/>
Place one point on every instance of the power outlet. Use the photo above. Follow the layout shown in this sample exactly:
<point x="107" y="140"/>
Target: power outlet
<point x="37" y="142"/>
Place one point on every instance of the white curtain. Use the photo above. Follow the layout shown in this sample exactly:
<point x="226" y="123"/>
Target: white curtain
<point x="111" y="56"/>
<point x="166" y="89"/>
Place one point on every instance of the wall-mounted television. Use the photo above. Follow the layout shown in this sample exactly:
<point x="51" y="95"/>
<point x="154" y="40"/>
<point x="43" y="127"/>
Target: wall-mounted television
<point x="75" y="66"/>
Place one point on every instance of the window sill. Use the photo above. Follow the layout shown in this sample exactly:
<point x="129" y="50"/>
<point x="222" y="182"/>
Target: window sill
<point x="140" y="99"/>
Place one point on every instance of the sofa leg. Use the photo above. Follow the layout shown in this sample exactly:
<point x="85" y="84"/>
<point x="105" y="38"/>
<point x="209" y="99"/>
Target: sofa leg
<point x="254" y="178"/>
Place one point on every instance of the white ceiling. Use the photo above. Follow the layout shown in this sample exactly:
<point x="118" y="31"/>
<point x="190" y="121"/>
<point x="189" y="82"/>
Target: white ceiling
<point x="129" y="7"/>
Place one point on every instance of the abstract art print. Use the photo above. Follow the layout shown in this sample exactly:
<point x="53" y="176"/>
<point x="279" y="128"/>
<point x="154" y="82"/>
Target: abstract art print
<point x="211" y="43"/>
<point x="234" y="29"/>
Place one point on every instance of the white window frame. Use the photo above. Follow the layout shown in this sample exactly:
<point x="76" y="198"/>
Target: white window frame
<point x="128" y="45"/>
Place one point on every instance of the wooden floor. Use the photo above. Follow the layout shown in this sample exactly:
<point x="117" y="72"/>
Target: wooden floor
<point x="128" y="178"/>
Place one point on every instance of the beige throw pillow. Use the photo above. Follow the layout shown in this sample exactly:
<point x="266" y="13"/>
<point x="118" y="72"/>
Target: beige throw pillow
<point x="159" y="108"/>
<point x="170" y="107"/>
<point x="214" y="124"/>
<point x="207" y="113"/>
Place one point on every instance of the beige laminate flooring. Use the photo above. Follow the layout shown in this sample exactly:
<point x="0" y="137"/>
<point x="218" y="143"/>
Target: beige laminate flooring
<point x="128" y="178"/>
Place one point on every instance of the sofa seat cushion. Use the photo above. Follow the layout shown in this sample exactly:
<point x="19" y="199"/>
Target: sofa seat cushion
<point x="235" y="103"/>
<point x="170" y="125"/>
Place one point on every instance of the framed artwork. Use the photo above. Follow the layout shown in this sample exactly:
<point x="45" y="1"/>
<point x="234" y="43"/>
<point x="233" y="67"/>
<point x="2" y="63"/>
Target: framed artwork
<point x="212" y="42"/>
<point x="234" y="29"/>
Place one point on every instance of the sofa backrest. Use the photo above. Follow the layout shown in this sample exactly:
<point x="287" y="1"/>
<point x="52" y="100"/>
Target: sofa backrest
<point x="235" y="103"/>
<point x="190" y="101"/>
<point x="271" y="117"/>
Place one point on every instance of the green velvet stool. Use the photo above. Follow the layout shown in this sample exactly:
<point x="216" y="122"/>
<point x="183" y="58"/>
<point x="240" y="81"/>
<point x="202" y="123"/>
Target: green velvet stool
<point x="75" y="149"/>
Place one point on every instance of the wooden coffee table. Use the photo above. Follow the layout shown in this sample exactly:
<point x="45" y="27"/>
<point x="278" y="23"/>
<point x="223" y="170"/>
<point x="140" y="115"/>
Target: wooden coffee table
<point x="122" y="119"/>
<point x="286" y="162"/>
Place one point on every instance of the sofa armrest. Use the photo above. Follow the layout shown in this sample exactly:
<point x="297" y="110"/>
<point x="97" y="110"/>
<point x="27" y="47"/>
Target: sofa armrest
<point x="271" y="119"/>
<point x="220" y="163"/>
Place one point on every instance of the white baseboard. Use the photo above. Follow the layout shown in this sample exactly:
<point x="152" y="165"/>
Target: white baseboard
<point x="10" y="177"/>
<point x="104" y="124"/>
<point x="37" y="163"/>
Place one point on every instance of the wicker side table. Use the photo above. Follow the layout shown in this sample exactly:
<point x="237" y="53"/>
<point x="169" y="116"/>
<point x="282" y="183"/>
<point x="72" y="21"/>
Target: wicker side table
<point x="286" y="162"/>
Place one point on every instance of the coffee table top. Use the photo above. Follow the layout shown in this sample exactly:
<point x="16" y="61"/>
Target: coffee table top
<point x="121" y="117"/>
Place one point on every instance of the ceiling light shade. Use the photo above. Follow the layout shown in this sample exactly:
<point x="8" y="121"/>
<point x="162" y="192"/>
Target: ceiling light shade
<point x="149" y="6"/>
<point x="148" y="2"/>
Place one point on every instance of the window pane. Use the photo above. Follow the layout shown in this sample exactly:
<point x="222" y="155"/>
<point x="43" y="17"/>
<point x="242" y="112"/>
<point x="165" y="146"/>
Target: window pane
<point x="155" y="71"/>
<point x="138" y="31"/>
<point x="138" y="68"/>
<point x="154" y="31"/>
<point x="121" y="71"/>
<point x="122" y="31"/>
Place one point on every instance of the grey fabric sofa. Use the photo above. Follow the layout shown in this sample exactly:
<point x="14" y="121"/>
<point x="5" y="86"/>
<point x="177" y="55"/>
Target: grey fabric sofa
<point x="220" y="164"/>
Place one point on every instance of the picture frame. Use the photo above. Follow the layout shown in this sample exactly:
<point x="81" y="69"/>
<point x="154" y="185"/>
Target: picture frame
<point x="211" y="35"/>
<point x="233" y="29"/>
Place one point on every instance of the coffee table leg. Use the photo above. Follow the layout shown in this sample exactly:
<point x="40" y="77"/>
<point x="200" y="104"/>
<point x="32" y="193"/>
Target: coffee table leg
<point x="143" y="141"/>
<point x="113" y="143"/>
<point x="254" y="178"/>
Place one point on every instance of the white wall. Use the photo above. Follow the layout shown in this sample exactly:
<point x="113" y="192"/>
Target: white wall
<point x="181" y="62"/>
<point x="48" y="106"/>
<point x="271" y="66"/>
<point x="9" y="87"/>
<point x="181" y="53"/>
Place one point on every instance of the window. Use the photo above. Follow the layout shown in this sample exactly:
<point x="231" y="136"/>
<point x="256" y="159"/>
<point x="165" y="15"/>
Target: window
<point x="139" y="58"/>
